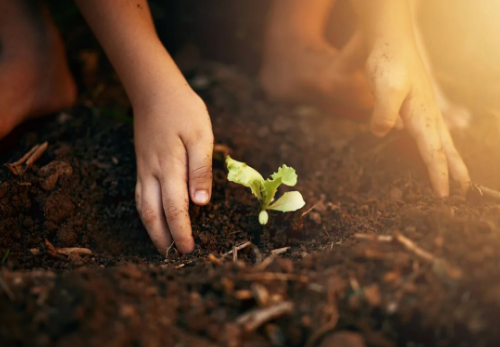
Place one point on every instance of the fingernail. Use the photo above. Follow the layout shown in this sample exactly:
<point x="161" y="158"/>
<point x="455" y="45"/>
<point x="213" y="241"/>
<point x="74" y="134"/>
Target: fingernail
<point x="201" y="197"/>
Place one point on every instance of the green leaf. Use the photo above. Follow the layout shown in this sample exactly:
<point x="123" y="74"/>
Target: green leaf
<point x="290" y="201"/>
<point x="285" y="175"/>
<point x="243" y="174"/>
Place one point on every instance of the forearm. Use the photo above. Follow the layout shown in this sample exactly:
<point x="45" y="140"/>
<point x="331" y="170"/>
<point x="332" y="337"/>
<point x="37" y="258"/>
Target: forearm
<point x="126" y="31"/>
<point x="384" y="21"/>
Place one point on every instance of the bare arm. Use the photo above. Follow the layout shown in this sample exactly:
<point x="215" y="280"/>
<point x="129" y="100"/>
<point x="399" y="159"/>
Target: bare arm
<point x="127" y="33"/>
<point x="173" y="137"/>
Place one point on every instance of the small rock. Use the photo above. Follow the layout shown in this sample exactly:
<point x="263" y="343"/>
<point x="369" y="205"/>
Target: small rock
<point x="343" y="339"/>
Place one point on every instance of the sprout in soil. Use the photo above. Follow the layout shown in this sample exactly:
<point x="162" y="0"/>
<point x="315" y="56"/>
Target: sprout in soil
<point x="265" y="190"/>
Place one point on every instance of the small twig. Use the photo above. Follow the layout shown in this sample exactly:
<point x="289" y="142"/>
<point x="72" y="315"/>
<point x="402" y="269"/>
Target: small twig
<point x="440" y="266"/>
<point x="326" y="231"/>
<point x="279" y="251"/>
<point x="36" y="155"/>
<point x="265" y="263"/>
<point x="403" y="240"/>
<point x="273" y="276"/>
<point x="274" y="254"/>
<point x="74" y="250"/>
<point x="6" y="289"/>
<point x="379" y="238"/>
<point x="235" y="254"/>
<point x="258" y="254"/>
<point x="477" y="192"/>
<point x="28" y="160"/>
<point x="15" y="167"/>
<point x="412" y="247"/>
<point x="168" y="249"/>
<point x="5" y="256"/>
<point x="252" y="320"/>
<point x="305" y="213"/>
<point x="237" y="248"/>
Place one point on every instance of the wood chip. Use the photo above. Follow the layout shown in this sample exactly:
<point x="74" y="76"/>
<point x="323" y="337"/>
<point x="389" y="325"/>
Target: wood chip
<point x="252" y="320"/>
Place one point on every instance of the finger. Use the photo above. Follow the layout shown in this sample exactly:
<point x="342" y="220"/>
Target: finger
<point x="386" y="111"/>
<point x="423" y="127"/>
<point x="138" y="194"/>
<point x="152" y="217"/>
<point x="200" y="170"/>
<point x="456" y="165"/>
<point x="175" y="201"/>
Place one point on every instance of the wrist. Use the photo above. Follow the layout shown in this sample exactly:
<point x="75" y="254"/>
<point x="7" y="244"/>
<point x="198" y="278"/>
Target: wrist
<point x="385" y="21"/>
<point x="156" y="77"/>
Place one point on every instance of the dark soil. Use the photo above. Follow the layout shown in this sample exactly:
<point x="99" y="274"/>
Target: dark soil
<point x="125" y="294"/>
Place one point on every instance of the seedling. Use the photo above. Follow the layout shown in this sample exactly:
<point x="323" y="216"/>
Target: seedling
<point x="265" y="190"/>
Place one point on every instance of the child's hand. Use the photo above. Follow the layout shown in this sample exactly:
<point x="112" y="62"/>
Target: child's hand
<point x="401" y="87"/>
<point x="174" y="144"/>
<point x="173" y="135"/>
